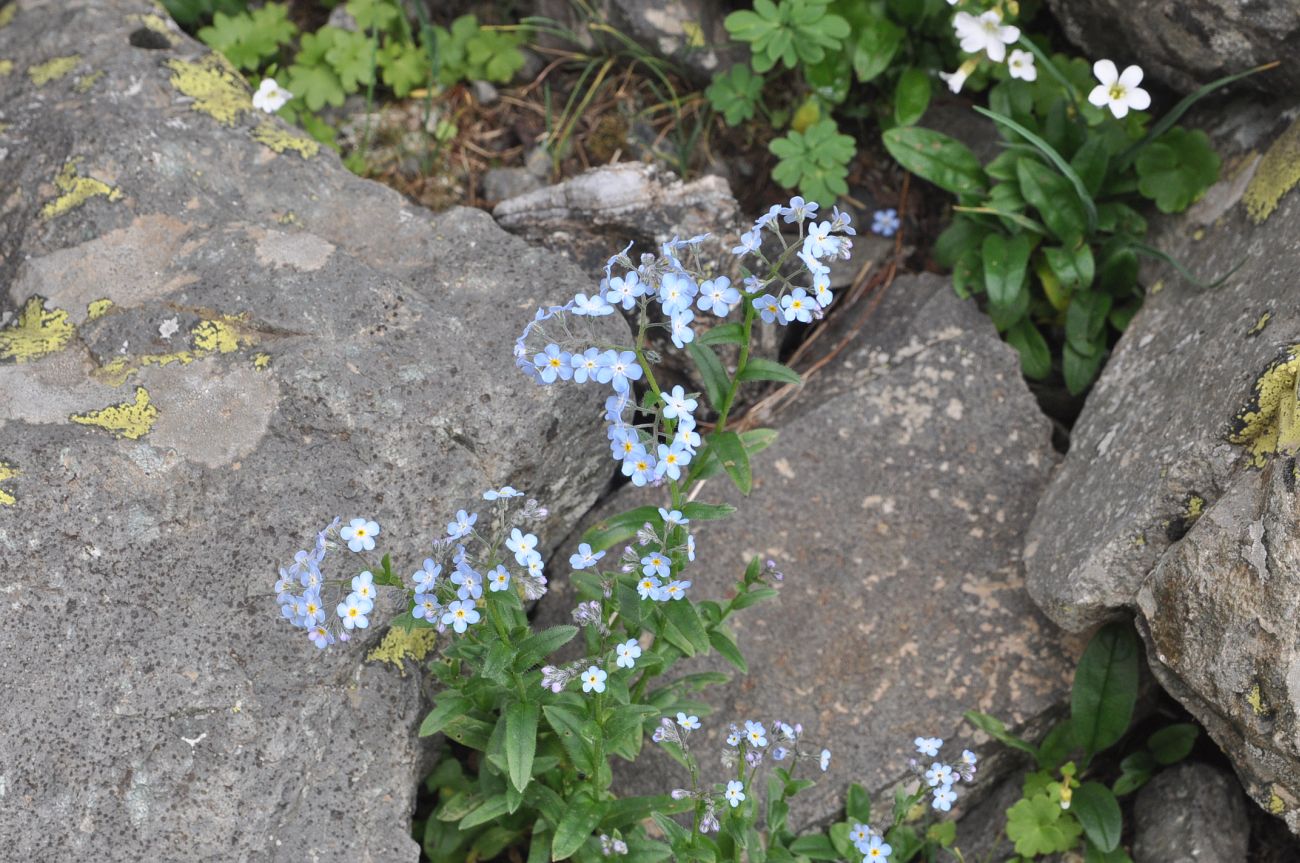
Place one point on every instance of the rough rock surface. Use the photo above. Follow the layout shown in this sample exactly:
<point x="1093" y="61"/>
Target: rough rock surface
<point x="895" y="500"/>
<point x="1192" y="812"/>
<point x="216" y="338"/>
<point x="593" y="215"/>
<point x="1177" y="496"/>
<point x="1187" y="43"/>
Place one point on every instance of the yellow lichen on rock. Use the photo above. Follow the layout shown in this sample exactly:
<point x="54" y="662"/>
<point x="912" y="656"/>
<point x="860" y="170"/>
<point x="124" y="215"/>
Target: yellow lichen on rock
<point x="1278" y="172"/>
<point x="116" y="372"/>
<point x="214" y="85"/>
<point x="7" y="13"/>
<point x="7" y="471"/>
<point x="1270" y="421"/>
<point x="399" y="645"/>
<point x="98" y="308"/>
<point x="216" y="337"/>
<point x="36" y="331"/>
<point x="6" y="67"/>
<point x="52" y="70"/>
<point x="132" y="420"/>
<point x="261" y="362"/>
<point x="280" y="139"/>
<point x="76" y="190"/>
<point x="157" y="24"/>
<point x="85" y="82"/>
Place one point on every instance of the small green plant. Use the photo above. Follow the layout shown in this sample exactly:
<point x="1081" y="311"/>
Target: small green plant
<point x="1063" y="806"/>
<point x="815" y="161"/>
<point x="736" y="93"/>
<point x="192" y="13"/>
<point x="791" y="32"/>
<point x="1049" y="232"/>
<point x="250" y="38"/>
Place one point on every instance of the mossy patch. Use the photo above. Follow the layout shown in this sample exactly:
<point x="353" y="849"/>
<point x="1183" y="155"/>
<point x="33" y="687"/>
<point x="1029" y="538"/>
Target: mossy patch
<point x="131" y="420"/>
<point x="400" y="645"/>
<point x="1270" y="422"/>
<point x="76" y="190"/>
<point x="52" y="70"/>
<point x="281" y="140"/>
<point x="214" y="85"/>
<point x="1277" y="173"/>
<point x="86" y="82"/>
<point x="7" y="472"/>
<point x="96" y="309"/>
<point x="36" y="331"/>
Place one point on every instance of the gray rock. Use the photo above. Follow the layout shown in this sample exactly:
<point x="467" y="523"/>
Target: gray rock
<point x="484" y="92"/>
<point x="590" y="216"/>
<point x="1176" y="498"/>
<point x="1192" y="813"/>
<point x="895" y="500"/>
<point x="500" y="184"/>
<point x="1190" y="42"/>
<point x="219" y="338"/>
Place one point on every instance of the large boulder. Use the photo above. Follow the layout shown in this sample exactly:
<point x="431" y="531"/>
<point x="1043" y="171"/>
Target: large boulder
<point x="1192" y="812"/>
<point x="895" y="500"/>
<point x="1190" y="42"/>
<point x="215" y="338"/>
<point x="1177" y="497"/>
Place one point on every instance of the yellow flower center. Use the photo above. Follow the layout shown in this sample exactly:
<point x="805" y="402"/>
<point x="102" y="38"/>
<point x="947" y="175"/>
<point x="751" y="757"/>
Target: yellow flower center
<point x="1117" y="92"/>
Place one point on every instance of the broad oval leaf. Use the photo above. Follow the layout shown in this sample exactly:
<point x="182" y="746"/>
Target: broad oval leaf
<point x="1105" y="688"/>
<point x="938" y="158"/>
<point x="1098" y="811"/>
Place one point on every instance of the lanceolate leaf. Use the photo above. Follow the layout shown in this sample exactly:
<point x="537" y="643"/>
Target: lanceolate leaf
<point x="1105" y="688"/>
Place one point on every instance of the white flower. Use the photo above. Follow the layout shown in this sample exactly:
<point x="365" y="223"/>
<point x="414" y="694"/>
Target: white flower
<point x="1118" y="91"/>
<point x="628" y="653"/>
<point x="690" y="723"/>
<point x="825" y="761"/>
<point x="928" y="745"/>
<point x="270" y="96"/>
<point x="956" y="80"/>
<point x="735" y="793"/>
<point x="1021" y="65"/>
<point x="594" y="679"/>
<point x="986" y="33"/>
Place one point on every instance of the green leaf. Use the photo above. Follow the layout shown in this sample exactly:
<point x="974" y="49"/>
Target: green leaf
<point x="1176" y="169"/>
<point x="938" y="158"/>
<point x="682" y="615"/>
<point x="759" y="369"/>
<point x="815" y="846"/>
<point x="1005" y="264"/>
<point x="874" y="47"/>
<point x="993" y="727"/>
<point x="1135" y="771"/>
<point x="1090" y="162"/>
<point x="575" y="827"/>
<point x="1035" y="356"/>
<point x="1038" y="825"/>
<point x="1173" y="743"/>
<point x="814" y="161"/>
<point x="1085" y="320"/>
<point x="1074" y="268"/>
<point x="521" y="742"/>
<point x="1080" y="369"/>
<point x="714" y="376"/>
<point x="730" y="451"/>
<point x="492" y="808"/>
<point x="468" y="731"/>
<point x="1105" y="688"/>
<point x="857" y="806"/>
<point x="540" y="645"/>
<point x="1055" y="747"/>
<point x="571" y="729"/>
<point x="609" y="532"/>
<point x="723" y="334"/>
<point x="736" y="93"/>
<point x="353" y="57"/>
<point x="1051" y="195"/>
<point x="911" y="96"/>
<point x="449" y="706"/>
<point x="707" y="511"/>
<point x="725" y="643"/>
<point x="1098" y="812"/>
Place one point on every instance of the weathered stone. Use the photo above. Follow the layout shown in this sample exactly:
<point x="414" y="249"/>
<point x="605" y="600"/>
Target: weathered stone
<point x="1192" y="813"/>
<point x="1190" y="42"/>
<point x="217" y="339"/>
<point x="895" y="500"/>
<point x="499" y="184"/>
<point x="590" y="216"/>
<point x="1177" y="496"/>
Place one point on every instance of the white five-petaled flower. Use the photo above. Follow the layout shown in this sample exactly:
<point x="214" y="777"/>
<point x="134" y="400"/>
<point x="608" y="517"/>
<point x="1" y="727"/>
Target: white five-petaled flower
<point x="270" y="96"/>
<point x="1021" y="65"/>
<point x="1118" y="91"/>
<point x="986" y="33"/>
<point x="628" y="653"/>
<point x="735" y="793"/>
<point x="690" y="723"/>
<point x="593" y="679"/>
<point x="928" y="745"/>
<point x="825" y="761"/>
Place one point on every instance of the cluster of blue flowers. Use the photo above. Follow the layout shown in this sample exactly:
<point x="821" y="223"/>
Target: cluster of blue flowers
<point x="452" y="602"/>
<point x="309" y="610"/>
<point x="941" y="777"/>
<point x="653" y="452"/>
